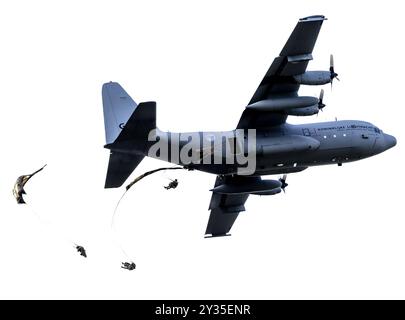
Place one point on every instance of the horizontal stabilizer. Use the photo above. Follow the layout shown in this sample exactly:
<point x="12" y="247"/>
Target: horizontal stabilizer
<point x="120" y="168"/>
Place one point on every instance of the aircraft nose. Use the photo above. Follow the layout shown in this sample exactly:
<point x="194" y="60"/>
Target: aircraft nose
<point x="390" y="141"/>
<point x="384" y="143"/>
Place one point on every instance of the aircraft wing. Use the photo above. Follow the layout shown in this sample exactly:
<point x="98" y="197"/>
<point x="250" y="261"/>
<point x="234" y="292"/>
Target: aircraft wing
<point x="279" y="80"/>
<point x="225" y="209"/>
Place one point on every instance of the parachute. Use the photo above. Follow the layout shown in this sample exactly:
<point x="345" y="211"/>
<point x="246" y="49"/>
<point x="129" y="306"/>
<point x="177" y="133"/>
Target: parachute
<point x="137" y="179"/>
<point x="18" y="190"/>
<point x="174" y="183"/>
<point x="149" y="173"/>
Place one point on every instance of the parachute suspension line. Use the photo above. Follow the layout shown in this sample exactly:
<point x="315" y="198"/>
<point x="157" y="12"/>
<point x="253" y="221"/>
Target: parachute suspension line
<point x="165" y="175"/>
<point x="41" y="221"/>
<point x="113" y="226"/>
<point x="116" y="208"/>
<point x="52" y="228"/>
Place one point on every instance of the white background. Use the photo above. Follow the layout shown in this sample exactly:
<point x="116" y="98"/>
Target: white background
<point x="338" y="232"/>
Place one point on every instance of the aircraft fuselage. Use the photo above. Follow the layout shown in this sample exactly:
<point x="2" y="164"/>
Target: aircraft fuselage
<point x="284" y="149"/>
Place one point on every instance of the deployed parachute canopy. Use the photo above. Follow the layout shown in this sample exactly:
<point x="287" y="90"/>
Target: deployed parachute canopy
<point x="18" y="189"/>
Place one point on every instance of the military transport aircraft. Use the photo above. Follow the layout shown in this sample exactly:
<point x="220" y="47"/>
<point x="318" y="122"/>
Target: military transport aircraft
<point x="278" y="148"/>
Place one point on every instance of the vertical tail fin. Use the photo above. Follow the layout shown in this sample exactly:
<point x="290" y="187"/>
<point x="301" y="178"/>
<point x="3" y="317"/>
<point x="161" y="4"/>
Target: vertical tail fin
<point x="118" y="107"/>
<point x="127" y="126"/>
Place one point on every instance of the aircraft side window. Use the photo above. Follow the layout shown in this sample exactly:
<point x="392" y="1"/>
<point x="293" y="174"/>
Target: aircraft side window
<point x="306" y="132"/>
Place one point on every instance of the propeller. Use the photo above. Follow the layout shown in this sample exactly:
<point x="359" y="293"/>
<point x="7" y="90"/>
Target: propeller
<point x="321" y="105"/>
<point x="333" y="74"/>
<point x="284" y="184"/>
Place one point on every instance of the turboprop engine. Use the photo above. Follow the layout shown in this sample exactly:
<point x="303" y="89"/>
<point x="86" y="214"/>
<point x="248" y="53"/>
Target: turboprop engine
<point x="294" y="105"/>
<point x="315" y="78"/>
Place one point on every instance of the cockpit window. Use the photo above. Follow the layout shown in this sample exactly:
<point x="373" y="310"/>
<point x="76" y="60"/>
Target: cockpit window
<point x="377" y="130"/>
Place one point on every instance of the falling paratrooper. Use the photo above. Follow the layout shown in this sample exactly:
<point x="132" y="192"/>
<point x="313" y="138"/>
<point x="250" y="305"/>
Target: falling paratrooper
<point x="172" y="185"/>
<point x="81" y="250"/>
<point x="128" y="266"/>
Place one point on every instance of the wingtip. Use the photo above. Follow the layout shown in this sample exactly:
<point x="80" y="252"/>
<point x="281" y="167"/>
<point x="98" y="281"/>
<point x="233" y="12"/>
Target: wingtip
<point x="313" y="18"/>
<point x="209" y="236"/>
